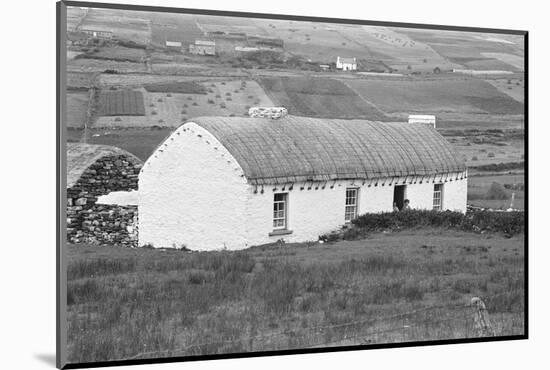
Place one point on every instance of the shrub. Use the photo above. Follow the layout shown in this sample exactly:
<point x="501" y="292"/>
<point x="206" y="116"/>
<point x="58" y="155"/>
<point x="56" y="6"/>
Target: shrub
<point x="496" y="192"/>
<point x="474" y="158"/>
<point x="211" y="101"/>
<point x="222" y="105"/>
<point x="510" y="223"/>
<point x="183" y="111"/>
<point x="118" y="119"/>
<point x="195" y="103"/>
<point x="491" y="155"/>
<point x="153" y="112"/>
<point x="159" y="100"/>
<point x="229" y="98"/>
<point x="168" y="95"/>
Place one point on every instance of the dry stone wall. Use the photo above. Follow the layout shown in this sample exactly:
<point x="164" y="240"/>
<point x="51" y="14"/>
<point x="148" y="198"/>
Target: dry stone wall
<point x="89" y="222"/>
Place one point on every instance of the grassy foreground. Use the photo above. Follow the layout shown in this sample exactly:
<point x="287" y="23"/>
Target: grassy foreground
<point x="390" y="287"/>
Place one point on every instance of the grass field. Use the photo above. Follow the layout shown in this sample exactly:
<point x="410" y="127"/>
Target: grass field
<point x="140" y="302"/>
<point x="318" y="97"/>
<point x="77" y="105"/>
<point x="436" y="96"/>
<point x="479" y="195"/>
<point x="128" y="25"/>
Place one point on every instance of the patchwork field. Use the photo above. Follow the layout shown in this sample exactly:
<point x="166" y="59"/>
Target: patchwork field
<point x="121" y="103"/>
<point x="142" y="303"/>
<point x="168" y="109"/>
<point x="316" y="97"/>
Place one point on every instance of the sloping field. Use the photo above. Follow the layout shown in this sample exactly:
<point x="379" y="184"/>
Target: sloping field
<point x="436" y="96"/>
<point x="173" y="27"/>
<point x="124" y="24"/>
<point x="121" y="103"/>
<point x="318" y="97"/>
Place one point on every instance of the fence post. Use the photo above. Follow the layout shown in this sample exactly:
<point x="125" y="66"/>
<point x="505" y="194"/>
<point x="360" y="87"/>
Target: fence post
<point x="482" y="323"/>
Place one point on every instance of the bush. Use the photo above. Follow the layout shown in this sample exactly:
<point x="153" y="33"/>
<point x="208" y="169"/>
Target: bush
<point x="510" y="223"/>
<point x="491" y="155"/>
<point x="497" y="192"/>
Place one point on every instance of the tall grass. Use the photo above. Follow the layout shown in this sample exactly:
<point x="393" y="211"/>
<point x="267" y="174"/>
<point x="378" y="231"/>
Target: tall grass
<point x="149" y="303"/>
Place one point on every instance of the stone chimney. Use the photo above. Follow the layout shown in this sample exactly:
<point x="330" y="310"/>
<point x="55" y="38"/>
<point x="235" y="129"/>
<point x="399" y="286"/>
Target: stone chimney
<point x="268" y="112"/>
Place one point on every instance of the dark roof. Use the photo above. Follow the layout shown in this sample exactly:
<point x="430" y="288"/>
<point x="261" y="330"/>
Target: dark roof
<point x="293" y="149"/>
<point x="81" y="156"/>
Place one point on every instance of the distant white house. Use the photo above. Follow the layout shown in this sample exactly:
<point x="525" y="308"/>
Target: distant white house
<point x="235" y="182"/>
<point x="346" y="64"/>
<point x="324" y="67"/>
<point x="98" y="33"/>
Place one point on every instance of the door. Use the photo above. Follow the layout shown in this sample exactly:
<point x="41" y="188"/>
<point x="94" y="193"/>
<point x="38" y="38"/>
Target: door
<point x="399" y="195"/>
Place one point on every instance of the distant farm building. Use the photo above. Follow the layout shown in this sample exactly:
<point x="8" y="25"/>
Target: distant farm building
<point x="346" y="64"/>
<point x="97" y="33"/>
<point x="201" y="47"/>
<point x="324" y="67"/>
<point x="95" y="172"/>
<point x="423" y="118"/>
<point x="235" y="182"/>
<point x="173" y="44"/>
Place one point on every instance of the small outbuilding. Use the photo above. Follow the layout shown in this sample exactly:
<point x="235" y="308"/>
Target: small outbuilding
<point x="235" y="182"/>
<point x="95" y="172"/>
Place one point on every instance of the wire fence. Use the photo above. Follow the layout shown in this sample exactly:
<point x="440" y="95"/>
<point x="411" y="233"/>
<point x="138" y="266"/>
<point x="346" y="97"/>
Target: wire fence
<point x="465" y="320"/>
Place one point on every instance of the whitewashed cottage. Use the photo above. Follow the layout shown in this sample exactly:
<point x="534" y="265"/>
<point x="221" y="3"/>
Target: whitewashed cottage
<point x="235" y="182"/>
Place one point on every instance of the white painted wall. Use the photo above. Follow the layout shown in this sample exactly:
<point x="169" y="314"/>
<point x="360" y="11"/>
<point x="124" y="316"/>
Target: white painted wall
<point x="314" y="212"/>
<point x="191" y="193"/>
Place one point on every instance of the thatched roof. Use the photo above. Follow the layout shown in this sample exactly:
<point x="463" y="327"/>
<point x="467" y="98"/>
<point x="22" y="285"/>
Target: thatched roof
<point x="81" y="156"/>
<point x="293" y="149"/>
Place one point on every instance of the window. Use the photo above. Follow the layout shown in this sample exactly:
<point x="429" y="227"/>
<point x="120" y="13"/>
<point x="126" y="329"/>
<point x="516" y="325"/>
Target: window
<point x="351" y="204"/>
<point x="438" y="197"/>
<point x="279" y="211"/>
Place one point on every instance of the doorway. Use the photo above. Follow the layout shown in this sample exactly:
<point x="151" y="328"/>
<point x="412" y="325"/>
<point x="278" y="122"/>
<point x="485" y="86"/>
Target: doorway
<point x="399" y="195"/>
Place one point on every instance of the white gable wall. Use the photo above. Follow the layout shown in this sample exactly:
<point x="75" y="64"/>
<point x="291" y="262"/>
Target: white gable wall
<point x="191" y="193"/>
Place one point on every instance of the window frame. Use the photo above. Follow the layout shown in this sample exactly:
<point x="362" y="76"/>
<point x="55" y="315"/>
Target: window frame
<point x="284" y="218"/>
<point x="354" y="205"/>
<point x="437" y="206"/>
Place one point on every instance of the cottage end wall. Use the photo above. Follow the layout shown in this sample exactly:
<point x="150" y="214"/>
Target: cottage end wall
<point x="192" y="193"/>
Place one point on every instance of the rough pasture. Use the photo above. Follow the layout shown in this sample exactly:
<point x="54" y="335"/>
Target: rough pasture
<point x="436" y="96"/>
<point x="123" y="302"/>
